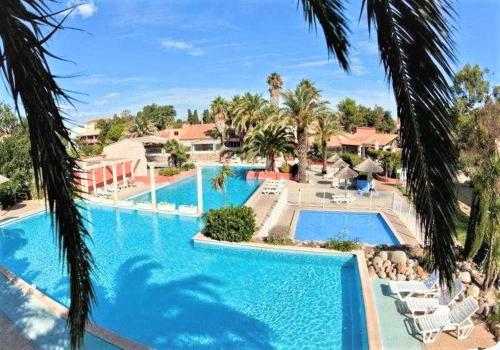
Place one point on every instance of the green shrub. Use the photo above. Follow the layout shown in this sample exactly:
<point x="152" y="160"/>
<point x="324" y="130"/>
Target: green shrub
<point x="7" y="194"/>
<point x="342" y="245"/>
<point x="171" y="171"/>
<point x="285" y="168"/>
<point x="235" y="224"/>
<point x="188" y="166"/>
<point x="351" y="158"/>
<point x="279" y="236"/>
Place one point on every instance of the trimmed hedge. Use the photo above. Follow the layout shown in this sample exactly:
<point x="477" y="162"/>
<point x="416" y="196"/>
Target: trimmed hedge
<point x="187" y="166"/>
<point x="170" y="171"/>
<point x="234" y="224"/>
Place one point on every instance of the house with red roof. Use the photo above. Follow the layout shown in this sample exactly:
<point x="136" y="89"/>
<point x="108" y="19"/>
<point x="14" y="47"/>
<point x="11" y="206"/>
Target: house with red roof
<point x="363" y="139"/>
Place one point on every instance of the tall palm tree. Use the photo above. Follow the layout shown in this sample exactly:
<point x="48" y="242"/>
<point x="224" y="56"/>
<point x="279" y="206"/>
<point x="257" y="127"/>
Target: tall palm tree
<point x="219" y="180"/>
<point x="309" y="85"/>
<point x="219" y="109"/>
<point x="248" y="111"/>
<point x="301" y="108"/>
<point x="327" y="126"/>
<point x="416" y="48"/>
<point x="275" y="82"/>
<point x="139" y="127"/>
<point x="269" y="141"/>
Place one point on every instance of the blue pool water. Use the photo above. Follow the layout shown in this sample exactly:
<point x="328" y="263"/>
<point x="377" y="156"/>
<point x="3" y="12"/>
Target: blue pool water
<point x="368" y="228"/>
<point x="238" y="190"/>
<point x="155" y="286"/>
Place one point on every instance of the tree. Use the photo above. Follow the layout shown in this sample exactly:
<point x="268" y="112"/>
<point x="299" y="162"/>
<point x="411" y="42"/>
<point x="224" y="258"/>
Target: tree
<point x="219" y="110"/>
<point x="248" y="111"/>
<point x="139" y="127"/>
<point x="348" y="114"/>
<point x="302" y="106"/>
<point x="160" y="116"/>
<point x="416" y="47"/>
<point x="269" y="141"/>
<point x="275" y="83"/>
<point x="179" y="153"/>
<point x="8" y="120"/>
<point x="326" y="127"/>
<point x="207" y="117"/>
<point x="219" y="180"/>
<point x="192" y="117"/>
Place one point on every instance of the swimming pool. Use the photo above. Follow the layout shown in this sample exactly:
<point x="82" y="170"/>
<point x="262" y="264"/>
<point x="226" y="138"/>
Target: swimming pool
<point x="369" y="228"/>
<point x="238" y="190"/>
<point x="155" y="286"/>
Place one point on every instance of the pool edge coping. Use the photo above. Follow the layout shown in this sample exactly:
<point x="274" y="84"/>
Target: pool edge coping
<point x="371" y="316"/>
<point x="61" y="311"/>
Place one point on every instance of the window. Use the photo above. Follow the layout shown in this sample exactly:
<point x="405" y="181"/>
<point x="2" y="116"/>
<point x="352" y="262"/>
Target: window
<point x="203" y="147"/>
<point x="176" y="133"/>
<point x="233" y="144"/>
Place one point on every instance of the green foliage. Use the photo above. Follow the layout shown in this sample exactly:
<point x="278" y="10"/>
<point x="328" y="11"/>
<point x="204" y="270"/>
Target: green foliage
<point x="461" y="222"/>
<point x="342" y="245"/>
<point x="188" y="166"/>
<point x="160" y="116"/>
<point x="219" y="180"/>
<point x="351" y="158"/>
<point x="279" y="235"/>
<point x="285" y="168"/>
<point x="90" y="150"/>
<point x="178" y="153"/>
<point x="192" y="117"/>
<point x="390" y="161"/>
<point x="352" y="115"/>
<point x="7" y="194"/>
<point x="111" y="130"/>
<point x="207" y="117"/>
<point x="236" y="224"/>
<point x="8" y="120"/>
<point x="170" y="171"/>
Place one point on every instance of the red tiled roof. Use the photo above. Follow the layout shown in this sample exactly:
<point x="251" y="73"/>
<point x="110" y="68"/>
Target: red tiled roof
<point x="362" y="136"/>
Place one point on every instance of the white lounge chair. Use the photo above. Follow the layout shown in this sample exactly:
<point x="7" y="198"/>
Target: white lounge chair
<point x="166" y="207"/>
<point x="125" y="204"/>
<point x="190" y="210"/>
<point x="428" y="305"/>
<point x="410" y="288"/>
<point x="271" y="190"/>
<point x="457" y="319"/>
<point x="143" y="206"/>
<point x="342" y="198"/>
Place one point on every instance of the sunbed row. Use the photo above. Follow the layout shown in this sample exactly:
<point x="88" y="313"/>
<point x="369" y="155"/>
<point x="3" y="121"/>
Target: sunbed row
<point x="162" y="206"/>
<point x="436" y="310"/>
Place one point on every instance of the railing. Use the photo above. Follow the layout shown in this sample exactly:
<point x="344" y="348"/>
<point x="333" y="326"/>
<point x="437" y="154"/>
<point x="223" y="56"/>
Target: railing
<point x="380" y="201"/>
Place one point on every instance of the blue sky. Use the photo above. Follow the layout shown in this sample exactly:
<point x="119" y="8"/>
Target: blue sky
<point x="186" y="52"/>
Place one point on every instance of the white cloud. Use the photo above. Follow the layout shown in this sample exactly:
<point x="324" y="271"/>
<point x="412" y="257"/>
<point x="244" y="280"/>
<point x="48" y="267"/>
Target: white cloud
<point x="82" y="9"/>
<point x="189" y="48"/>
<point x="101" y="79"/>
<point x="367" y="47"/>
<point x="106" y="99"/>
<point x="309" y="64"/>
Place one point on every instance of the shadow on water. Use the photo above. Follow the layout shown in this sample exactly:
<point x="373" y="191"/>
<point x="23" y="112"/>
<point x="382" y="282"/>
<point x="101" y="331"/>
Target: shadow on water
<point x="180" y="314"/>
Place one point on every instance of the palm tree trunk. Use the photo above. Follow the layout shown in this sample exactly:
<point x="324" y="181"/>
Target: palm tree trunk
<point x="324" y="153"/>
<point x="302" y="154"/>
<point x="270" y="162"/>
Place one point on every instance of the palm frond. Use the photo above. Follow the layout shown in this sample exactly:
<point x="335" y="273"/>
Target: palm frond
<point x="23" y="60"/>
<point x="331" y="16"/>
<point x="416" y="47"/>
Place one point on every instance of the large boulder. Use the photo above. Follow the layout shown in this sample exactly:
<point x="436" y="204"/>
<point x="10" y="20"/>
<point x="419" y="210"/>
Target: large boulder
<point x="473" y="291"/>
<point x="377" y="262"/>
<point x="464" y="277"/>
<point x="398" y="256"/>
<point x="383" y="254"/>
<point x="401" y="267"/>
<point x="371" y="271"/>
<point x="401" y="277"/>
<point x="382" y="274"/>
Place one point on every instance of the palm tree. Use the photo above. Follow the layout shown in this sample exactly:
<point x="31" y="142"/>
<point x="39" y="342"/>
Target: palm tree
<point x="302" y="107"/>
<point x="139" y="127"/>
<point x="219" y="109"/>
<point x="309" y="85"/>
<point x="178" y="153"/>
<point x="327" y="126"/>
<point x="416" y="48"/>
<point x="269" y="141"/>
<point x="219" y="180"/>
<point x="275" y="82"/>
<point x="248" y="111"/>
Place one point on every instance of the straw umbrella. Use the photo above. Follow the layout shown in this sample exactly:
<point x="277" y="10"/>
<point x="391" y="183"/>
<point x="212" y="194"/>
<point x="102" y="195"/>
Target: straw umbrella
<point x="339" y="164"/>
<point x="370" y="167"/>
<point x="345" y="174"/>
<point x="333" y="159"/>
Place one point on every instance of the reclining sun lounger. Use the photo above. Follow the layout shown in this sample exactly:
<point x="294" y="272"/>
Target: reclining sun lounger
<point x="342" y="198"/>
<point x="429" y="305"/>
<point x="166" y="207"/>
<point x="125" y="204"/>
<point x="143" y="206"/>
<point x="190" y="210"/>
<point x="457" y="319"/>
<point x="410" y="288"/>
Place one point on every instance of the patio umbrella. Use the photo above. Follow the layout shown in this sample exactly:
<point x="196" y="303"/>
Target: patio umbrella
<point x="3" y="179"/>
<point x="339" y="164"/>
<point x="368" y="166"/>
<point x="333" y="159"/>
<point x="345" y="174"/>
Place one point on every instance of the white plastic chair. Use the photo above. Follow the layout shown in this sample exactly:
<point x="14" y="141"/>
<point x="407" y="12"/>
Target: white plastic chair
<point x="429" y="305"/>
<point x="410" y="288"/>
<point x="457" y="319"/>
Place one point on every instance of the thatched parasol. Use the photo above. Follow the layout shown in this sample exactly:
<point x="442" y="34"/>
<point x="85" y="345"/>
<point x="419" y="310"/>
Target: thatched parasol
<point x="333" y="159"/>
<point x="368" y="166"/>
<point x="346" y="173"/>
<point x="339" y="164"/>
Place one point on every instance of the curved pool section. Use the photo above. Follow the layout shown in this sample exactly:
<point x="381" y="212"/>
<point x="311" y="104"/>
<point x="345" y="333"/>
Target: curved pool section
<point x="154" y="286"/>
